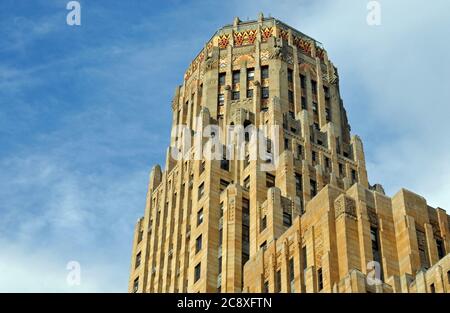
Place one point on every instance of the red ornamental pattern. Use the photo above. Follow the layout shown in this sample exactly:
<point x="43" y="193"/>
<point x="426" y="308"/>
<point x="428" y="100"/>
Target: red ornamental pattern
<point x="245" y="37"/>
<point x="304" y="45"/>
<point x="266" y="33"/>
<point x="223" y="41"/>
<point x="284" y="34"/>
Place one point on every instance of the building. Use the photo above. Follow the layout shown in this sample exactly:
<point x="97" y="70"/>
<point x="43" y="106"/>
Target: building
<point x="312" y="223"/>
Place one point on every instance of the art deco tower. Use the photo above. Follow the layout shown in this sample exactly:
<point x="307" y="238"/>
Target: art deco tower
<point x="311" y="224"/>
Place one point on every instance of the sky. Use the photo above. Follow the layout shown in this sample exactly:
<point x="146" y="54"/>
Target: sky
<point x="85" y="112"/>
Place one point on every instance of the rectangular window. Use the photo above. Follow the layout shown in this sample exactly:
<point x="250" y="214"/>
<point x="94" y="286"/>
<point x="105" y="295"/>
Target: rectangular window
<point x="136" y="285"/>
<point x="141" y="234"/>
<point x="199" y="217"/>
<point x="304" y="258"/>
<point x="287" y="219"/>
<point x="313" y="188"/>
<point x="315" y="107"/>
<point x="314" y="87"/>
<point x="286" y="144"/>
<point x="201" y="190"/>
<point x="197" y="272"/>
<point x="341" y="170"/>
<point x="304" y="103"/>
<point x="290" y="75"/>
<point x="221" y="99"/>
<point x="236" y="77"/>
<point x="326" y="91"/>
<point x="202" y="167"/>
<point x="298" y="185"/>
<point x="235" y="95"/>
<point x="354" y="176"/>
<point x="264" y="72"/>
<point x="299" y="152"/>
<point x="245" y="230"/>
<point x="265" y="92"/>
<point x="278" y="281"/>
<point x="319" y="279"/>
<point x="138" y="260"/>
<point x="220" y="265"/>
<point x="270" y="180"/>
<point x="328" y="114"/>
<point x="222" y="79"/>
<point x="440" y="248"/>
<point x="291" y="272"/>
<point x="198" y="244"/>
<point x="247" y="183"/>
<point x="291" y="96"/>
<point x="263" y="223"/>
<point x="266" y="287"/>
<point x="250" y="93"/>
<point x="302" y="81"/>
<point x="263" y="246"/>
<point x="250" y="74"/>
<point x="223" y="185"/>
<point x="314" y="156"/>
<point x="327" y="163"/>
<point x="374" y="237"/>
<point x="225" y="164"/>
<point x="432" y="288"/>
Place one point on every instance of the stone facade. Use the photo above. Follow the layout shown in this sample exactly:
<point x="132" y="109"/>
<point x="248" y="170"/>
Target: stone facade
<point x="313" y="223"/>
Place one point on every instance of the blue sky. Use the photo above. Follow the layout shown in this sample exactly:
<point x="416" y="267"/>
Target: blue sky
<point x="85" y="113"/>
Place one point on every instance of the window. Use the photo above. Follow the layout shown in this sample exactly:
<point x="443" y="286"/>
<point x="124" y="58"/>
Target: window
<point x="299" y="152"/>
<point x="265" y="92"/>
<point x="263" y="223"/>
<point x="225" y="164"/>
<point x="326" y="91"/>
<point x="201" y="190"/>
<point x="270" y="180"/>
<point x="304" y="103"/>
<point x="291" y="96"/>
<point x="278" y="281"/>
<point x="236" y="77"/>
<point x="448" y="277"/>
<point x="235" y="95"/>
<point x="250" y="93"/>
<point x="327" y="163"/>
<point x="202" y="167"/>
<point x="319" y="279"/>
<point x="222" y="79"/>
<point x="328" y="114"/>
<point x="263" y="246"/>
<point x="314" y="87"/>
<point x="264" y="72"/>
<point x="432" y="288"/>
<point x="197" y="271"/>
<point x="198" y="244"/>
<point x="290" y="74"/>
<point x="247" y="183"/>
<point x="302" y="81"/>
<point x="291" y="273"/>
<point x="266" y="287"/>
<point x="341" y="170"/>
<point x="245" y="230"/>
<point x="440" y="248"/>
<point x="304" y="258"/>
<point x="136" y="285"/>
<point x="220" y="265"/>
<point x="313" y="188"/>
<point x="298" y="185"/>
<point x="199" y="217"/>
<point x="221" y="99"/>
<point x="286" y="144"/>
<point x="374" y="237"/>
<point x="138" y="260"/>
<point x="141" y="234"/>
<point x="250" y="74"/>
<point x="287" y="219"/>
<point x="223" y="185"/>
<point x="314" y="156"/>
<point x="315" y="107"/>
<point x="354" y="176"/>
